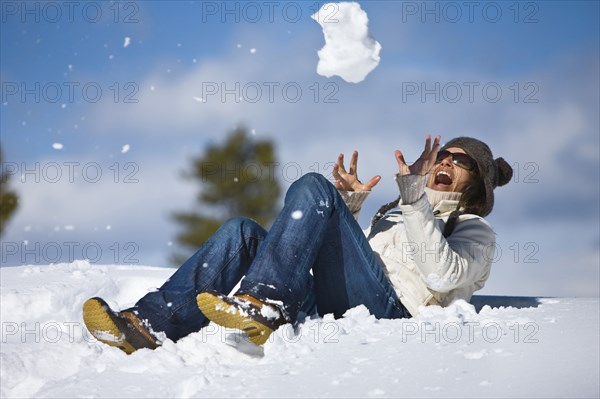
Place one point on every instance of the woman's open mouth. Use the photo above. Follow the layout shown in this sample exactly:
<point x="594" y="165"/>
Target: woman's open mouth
<point x="442" y="181"/>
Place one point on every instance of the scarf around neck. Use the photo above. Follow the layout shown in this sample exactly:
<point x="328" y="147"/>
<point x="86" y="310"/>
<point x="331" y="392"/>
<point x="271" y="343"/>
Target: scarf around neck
<point x="436" y="197"/>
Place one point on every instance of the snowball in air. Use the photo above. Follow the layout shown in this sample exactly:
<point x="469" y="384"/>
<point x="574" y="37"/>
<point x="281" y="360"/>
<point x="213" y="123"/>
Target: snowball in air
<point x="125" y="148"/>
<point x="349" y="51"/>
<point x="296" y="215"/>
<point x="57" y="146"/>
<point x="127" y="41"/>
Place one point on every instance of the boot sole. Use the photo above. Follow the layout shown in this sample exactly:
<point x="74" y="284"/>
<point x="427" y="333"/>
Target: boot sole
<point x="230" y="316"/>
<point x="102" y="326"/>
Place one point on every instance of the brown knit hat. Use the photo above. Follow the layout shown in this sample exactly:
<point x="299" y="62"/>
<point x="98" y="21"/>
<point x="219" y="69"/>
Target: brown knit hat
<point x="494" y="173"/>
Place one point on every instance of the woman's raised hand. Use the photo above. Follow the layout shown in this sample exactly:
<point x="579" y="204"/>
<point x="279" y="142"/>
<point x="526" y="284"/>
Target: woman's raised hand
<point x="348" y="180"/>
<point x="425" y="161"/>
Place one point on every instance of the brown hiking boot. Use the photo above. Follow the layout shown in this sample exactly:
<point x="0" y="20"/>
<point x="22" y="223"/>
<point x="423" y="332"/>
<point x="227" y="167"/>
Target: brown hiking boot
<point x="243" y="312"/>
<point x="121" y="329"/>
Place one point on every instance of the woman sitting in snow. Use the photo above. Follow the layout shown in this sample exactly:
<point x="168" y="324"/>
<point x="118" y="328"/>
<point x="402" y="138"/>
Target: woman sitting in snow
<point x="434" y="250"/>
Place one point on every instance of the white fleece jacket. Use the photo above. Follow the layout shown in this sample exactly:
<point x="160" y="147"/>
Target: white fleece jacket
<point x="424" y="267"/>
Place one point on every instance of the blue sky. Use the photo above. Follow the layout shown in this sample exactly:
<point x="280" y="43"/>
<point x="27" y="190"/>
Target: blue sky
<point x="543" y="55"/>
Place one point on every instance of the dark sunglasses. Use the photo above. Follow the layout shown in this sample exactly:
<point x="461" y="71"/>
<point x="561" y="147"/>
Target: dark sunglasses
<point x="458" y="159"/>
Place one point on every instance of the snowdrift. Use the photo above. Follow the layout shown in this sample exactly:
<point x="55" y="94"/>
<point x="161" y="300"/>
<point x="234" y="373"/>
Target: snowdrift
<point x="497" y="346"/>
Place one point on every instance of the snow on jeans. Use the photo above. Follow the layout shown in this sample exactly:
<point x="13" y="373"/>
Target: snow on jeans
<point x="315" y="230"/>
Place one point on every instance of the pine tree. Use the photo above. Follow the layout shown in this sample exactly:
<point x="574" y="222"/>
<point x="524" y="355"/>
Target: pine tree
<point x="236" y="179"/>
<point x="8" y="199"/>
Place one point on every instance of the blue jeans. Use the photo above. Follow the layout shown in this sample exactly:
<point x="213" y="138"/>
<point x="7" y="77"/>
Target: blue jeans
<point x="314" y="231"/>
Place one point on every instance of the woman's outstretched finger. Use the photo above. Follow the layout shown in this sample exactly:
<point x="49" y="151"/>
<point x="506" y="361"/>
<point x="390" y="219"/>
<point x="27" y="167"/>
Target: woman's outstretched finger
<point x="353" y="163"/>
<point x="427" y="146"/>
<point x="400" y="158"/>
<point x="373" y="182"/>
<point x="336" y="175"/>
<point x="433" y="154"/>
<point x="336" y="172"/>
<point x="340" y="163"/>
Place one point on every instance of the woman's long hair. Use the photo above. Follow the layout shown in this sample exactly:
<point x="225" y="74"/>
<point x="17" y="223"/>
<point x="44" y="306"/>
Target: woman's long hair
<point x="473" y="199"/>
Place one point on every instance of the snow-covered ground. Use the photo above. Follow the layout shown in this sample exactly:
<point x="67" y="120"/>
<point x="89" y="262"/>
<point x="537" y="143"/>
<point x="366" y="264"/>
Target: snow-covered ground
<point x="501" y="347"/>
